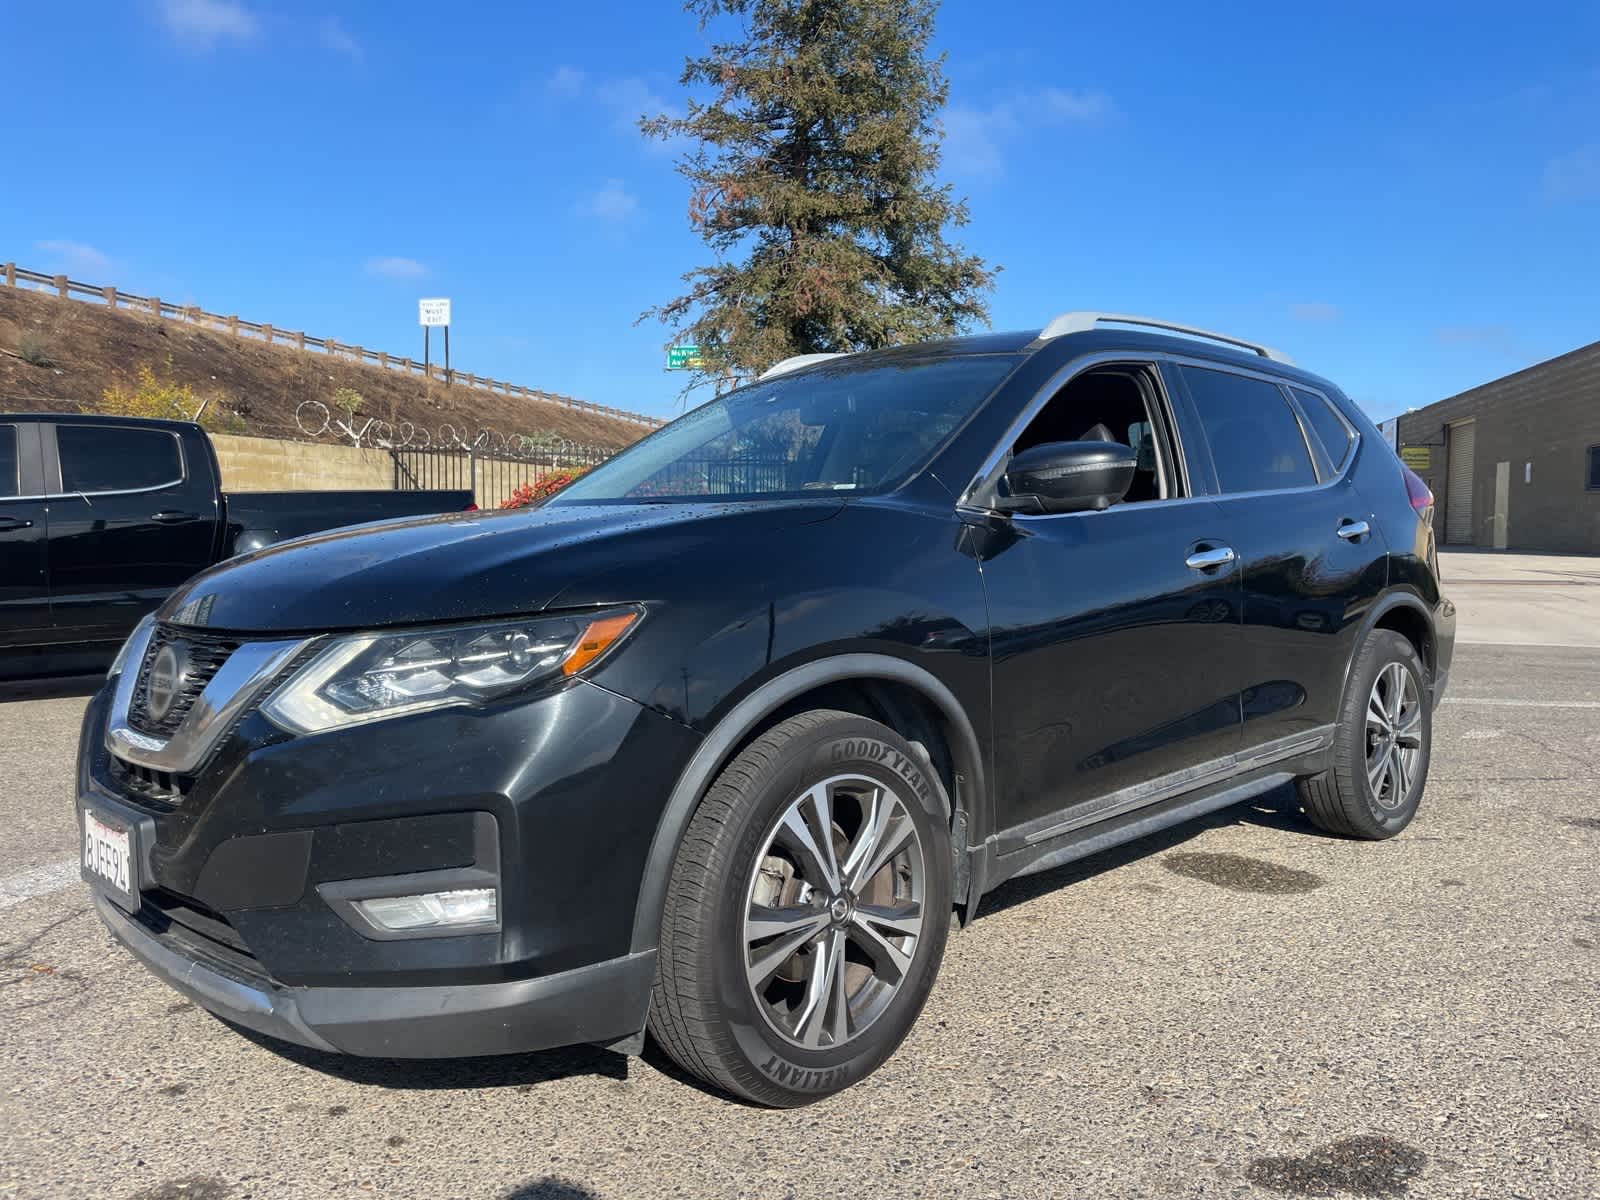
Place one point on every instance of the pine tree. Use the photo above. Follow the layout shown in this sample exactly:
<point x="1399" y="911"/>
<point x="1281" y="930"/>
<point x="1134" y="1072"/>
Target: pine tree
<point x="813" y="182"/>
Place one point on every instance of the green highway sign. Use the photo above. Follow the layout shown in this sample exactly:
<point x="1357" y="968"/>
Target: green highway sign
<point x="684" y="358"/>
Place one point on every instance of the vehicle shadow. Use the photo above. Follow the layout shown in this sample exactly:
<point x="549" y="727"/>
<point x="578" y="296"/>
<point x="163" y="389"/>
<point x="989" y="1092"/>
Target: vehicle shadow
<point x="549" y="1187"/>
<point x="1278" y="809"/>
<point x="521" y="1071"/>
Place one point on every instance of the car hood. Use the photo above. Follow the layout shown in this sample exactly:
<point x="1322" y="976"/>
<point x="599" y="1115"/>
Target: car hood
<point x="463" y="565"/>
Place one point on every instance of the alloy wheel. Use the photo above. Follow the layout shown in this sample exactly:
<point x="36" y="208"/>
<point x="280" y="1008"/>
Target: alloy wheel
<point x="1394" y="735"/>
<point x="834" y="911"/>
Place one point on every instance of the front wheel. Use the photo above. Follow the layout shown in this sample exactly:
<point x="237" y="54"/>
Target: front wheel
<point x="1379" y="760"/>
<point x="807" y="912"/>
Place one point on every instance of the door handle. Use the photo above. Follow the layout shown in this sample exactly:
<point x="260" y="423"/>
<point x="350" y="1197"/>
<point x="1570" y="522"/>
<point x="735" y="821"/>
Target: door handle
<point x="1351" y="530"/>
<point x="174" y="518"/>
<point x="9" y="523"/>
<point x="1206" y="560"/>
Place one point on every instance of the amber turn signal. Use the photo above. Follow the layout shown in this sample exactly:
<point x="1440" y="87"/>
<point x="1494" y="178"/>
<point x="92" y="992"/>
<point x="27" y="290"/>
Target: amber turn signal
<point x="596" y="640"/>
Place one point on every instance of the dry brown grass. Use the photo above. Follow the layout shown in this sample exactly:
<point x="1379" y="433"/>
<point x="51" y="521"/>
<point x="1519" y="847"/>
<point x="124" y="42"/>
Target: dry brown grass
<point x="96" y="348"/>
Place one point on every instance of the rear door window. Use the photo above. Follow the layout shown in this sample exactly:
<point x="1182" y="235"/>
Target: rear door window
<point x="105" y="458"/>
<point x="10" y="478"/>
<point x="1255" y="438"/>
<point x="1331" y="429"/>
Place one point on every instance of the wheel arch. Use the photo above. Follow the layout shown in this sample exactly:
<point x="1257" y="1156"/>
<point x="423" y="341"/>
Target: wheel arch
<point x="887" y="683"/>
<point x="1402" y="613"/>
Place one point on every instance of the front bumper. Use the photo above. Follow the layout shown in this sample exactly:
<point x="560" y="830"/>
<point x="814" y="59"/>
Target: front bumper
<point x="555" y="800"/>
<point x="604" y="1002"/>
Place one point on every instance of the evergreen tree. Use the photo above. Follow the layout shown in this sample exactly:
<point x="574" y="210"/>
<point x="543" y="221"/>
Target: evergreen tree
<point x="813" y="182"/>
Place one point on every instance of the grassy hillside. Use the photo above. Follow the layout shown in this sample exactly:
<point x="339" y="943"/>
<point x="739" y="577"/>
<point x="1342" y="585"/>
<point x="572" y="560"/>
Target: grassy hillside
<point x="252" y="387"/>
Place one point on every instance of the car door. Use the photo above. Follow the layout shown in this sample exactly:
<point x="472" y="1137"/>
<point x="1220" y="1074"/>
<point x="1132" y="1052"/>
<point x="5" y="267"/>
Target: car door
<point x="128" y="522"/>
<point x="24" y="586"/>
<point x="1312" y="561"/>
<point x="1110" y="637"/>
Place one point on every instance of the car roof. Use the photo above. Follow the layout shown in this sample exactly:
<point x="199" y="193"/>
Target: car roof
<point x="1092" y="341"/>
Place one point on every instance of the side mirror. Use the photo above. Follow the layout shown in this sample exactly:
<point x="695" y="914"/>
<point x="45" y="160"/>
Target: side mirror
<point x="1062" y="477"/>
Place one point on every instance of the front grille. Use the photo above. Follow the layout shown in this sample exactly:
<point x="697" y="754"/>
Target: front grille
<point x="201" y="656"/>
<point x="197" y="932"/>
<point x="158" y="789"/>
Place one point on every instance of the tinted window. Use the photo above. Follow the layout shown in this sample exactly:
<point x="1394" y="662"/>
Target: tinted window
<point x="1256" y="442"/>
<point x="856" y="424"/>
<point x="1334" y="434"/>
<point x="1594" y="468"/>
<point x="10" y="485"/>
<point x="97" y="458"/>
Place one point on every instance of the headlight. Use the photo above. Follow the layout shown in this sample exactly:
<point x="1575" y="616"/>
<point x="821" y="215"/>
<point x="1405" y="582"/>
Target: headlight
<point x="373" y="676"/>
<point x="121" y="659"/>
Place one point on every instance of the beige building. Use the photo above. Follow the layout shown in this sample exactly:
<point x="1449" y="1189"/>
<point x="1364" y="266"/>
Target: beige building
<point x="1515" y="463"/>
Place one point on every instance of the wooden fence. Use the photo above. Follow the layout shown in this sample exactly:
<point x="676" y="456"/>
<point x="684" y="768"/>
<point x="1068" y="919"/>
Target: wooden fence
<point x="71" y="289"/>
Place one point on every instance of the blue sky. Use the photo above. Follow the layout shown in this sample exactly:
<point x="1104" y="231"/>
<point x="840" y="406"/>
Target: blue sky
<point x="1407" y="201"/>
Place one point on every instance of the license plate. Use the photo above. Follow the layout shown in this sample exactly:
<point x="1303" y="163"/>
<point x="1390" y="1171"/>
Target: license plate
<point x="108" y="859"/>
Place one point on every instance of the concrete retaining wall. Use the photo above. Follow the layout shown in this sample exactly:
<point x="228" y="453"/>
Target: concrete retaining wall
<point x="252" y="464"/>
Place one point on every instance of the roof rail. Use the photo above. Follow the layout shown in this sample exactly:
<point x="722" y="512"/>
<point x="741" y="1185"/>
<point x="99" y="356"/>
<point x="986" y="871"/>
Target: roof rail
<point x="794" y="363"/>
<point x="1080" y="322"/>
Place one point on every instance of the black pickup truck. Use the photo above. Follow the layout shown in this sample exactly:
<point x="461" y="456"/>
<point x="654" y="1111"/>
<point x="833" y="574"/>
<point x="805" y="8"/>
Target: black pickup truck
<point x="102" y="517"/>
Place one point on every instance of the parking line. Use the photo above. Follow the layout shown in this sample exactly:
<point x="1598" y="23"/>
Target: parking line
<point x="41" y="881"/>
<point x="1496" y="702"/>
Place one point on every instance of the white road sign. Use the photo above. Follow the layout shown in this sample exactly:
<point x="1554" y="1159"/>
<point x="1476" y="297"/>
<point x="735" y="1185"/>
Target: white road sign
<point x="433" y="312"/>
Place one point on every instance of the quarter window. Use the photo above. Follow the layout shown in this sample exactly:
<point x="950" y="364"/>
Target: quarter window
<point x="1328" y="425"/>
<point x="10" y="484"/>
<point x="1256" y="442"/>
<point x="102" y="458"/>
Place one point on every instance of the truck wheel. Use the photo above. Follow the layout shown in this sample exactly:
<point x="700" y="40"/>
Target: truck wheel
<point x="1379" y="760"/>
<point x="807" y="912"/>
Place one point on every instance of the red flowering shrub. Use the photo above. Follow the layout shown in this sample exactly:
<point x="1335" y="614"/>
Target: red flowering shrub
<point x="532" y="493"/>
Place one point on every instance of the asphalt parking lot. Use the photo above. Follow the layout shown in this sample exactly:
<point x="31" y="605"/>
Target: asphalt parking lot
<point x="1240" y="1007"/>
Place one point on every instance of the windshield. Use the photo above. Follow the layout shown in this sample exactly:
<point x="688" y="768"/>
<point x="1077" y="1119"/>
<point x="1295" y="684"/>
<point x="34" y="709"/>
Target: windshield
<point x="847" y="427"/>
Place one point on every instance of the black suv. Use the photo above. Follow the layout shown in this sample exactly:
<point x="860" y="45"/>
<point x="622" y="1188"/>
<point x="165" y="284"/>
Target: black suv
<point x="715" y="741"/>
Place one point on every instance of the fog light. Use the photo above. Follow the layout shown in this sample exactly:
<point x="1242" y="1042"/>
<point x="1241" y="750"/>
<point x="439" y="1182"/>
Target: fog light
<point x="432" y="910"/>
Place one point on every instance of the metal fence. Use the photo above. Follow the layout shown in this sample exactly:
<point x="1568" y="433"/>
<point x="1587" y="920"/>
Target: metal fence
<point x="491" y="478"/>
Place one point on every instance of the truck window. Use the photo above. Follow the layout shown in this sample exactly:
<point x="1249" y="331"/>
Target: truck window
<point x="10" y="484"/>
<point x="104" y="458"/>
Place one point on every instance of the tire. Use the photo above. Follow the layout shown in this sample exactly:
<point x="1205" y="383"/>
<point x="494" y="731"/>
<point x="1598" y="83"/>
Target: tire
<point x="1379" y="761"/>
<point x="731" y="1004"/>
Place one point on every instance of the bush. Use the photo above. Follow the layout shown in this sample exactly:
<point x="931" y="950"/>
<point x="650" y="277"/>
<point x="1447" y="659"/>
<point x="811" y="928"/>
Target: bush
<point x="349" y="401"/>
<point x="152" y="397"/>
<point x="34" y="348"/>
<point x="533" y="493"/>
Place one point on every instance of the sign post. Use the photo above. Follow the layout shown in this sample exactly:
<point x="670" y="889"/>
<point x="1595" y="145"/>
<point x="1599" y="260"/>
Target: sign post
<point x="430" y="313"/>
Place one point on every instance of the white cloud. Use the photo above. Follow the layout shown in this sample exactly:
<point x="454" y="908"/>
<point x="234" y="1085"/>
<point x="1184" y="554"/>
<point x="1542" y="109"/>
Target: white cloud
<point x="1314" y="310"/>
<point x="976" y="136"/>
<point x="393" y="266"/>
<point x="201" y="24"/>
<point x="625" y="99"/>
<point x="1497" y="338"/>
<point x="73" y="257"/>
<point x="334" y="36"/>
<point x="613" y="203"/>
<point x="1574" y="176"/>
<point x="567" y="82"/>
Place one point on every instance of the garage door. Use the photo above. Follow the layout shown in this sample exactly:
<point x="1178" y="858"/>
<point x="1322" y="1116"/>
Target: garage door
<point x="1458" y="488"/>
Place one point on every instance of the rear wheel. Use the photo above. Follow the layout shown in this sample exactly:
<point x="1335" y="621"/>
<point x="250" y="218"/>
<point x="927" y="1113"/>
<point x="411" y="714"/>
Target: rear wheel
<point x="807" y="912"/>
<point x="1379" y="760"/>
